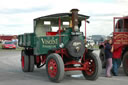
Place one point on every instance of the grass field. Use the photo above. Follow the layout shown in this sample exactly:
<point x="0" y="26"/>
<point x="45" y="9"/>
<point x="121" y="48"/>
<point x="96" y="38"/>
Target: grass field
<point x="96" y="47"/>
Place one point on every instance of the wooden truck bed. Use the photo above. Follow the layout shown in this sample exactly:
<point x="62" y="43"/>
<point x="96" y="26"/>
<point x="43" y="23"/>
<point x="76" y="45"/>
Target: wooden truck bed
<point x="26" y="40"/>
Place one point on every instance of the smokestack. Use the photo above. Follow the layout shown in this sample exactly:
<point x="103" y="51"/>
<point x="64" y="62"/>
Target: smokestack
<point x="75" y="19"/>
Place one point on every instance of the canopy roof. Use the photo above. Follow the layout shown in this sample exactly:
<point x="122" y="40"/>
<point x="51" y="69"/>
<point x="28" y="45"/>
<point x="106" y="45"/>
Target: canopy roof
<point x="63" y="16"/>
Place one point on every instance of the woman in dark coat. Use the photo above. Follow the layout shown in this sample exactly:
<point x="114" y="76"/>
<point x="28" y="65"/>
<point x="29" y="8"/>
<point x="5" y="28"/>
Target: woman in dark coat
<point x="108" y="56"/>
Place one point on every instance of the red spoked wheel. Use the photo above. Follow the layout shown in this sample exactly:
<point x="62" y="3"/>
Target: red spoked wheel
<point x="125" y="63"/>
<point x="52" y="68"/>
<point x="92" y="66"/>
<point x="55" y="67"/>
<point x="90" y="69"/>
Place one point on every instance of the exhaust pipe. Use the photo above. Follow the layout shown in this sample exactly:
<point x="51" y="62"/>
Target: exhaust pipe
<point x="75" y="20"/>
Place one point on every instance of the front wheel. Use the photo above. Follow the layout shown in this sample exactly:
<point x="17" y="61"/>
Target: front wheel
<point x="93" y="66"/>
<point x="125" y="63"/>
<point x="55" y="67"/>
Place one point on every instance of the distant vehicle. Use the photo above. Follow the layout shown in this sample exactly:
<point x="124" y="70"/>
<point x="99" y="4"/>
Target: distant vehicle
<point x="8" y="45"/>
<point x="98" y="38"/>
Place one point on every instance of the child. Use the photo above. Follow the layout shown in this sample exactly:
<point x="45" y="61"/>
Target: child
<point x="108" y="56"/>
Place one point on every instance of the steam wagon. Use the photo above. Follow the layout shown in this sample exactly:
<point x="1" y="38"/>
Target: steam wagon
<point x="120" y="42"/>
<point x="58" y="43"/>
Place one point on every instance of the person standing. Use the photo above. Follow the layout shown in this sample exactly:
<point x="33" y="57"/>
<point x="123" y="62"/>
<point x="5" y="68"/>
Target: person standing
<point x="108" y="56"/>
<point x="116" y="60"/>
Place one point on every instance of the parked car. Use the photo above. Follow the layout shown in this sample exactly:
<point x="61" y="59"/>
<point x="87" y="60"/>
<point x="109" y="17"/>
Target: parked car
<point x="98" y="38"/>
<point x="8" y="45"/>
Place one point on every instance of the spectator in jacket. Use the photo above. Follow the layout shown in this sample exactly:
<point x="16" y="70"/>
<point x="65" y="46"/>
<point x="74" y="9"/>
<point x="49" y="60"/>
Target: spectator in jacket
<point x="108" y="56"/>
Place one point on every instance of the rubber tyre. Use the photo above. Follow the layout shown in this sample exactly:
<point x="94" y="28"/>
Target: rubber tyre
<point x="102" y="57"/>
<point x="125" y="63"/>
<point x="25" y="61"/>
<point x="31" y="63"/>
<point x="98" y="66"/>
<point x="60" y="67"/>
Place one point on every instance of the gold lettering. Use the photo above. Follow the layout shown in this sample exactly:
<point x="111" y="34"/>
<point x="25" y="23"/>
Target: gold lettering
<point x="49" y="42"/>
<point x="42" y="40"/>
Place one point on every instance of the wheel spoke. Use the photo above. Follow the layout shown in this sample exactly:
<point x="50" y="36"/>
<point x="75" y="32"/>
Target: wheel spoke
<point x="52" y="68"/>
<point x="91" y="67"/>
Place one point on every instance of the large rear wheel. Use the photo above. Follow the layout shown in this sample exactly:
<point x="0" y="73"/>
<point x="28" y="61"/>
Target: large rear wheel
<point x="31" y="63"/>
<point x="27" y="62"/>
<point x="24" y="61"/>
<point x="55" y="67"/>
<point x="125" y="63"/>
<point x="93" y="66"/>
<point x="102" y="57"/>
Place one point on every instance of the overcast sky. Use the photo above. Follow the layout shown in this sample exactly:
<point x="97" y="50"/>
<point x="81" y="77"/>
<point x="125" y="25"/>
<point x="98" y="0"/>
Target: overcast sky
<point x="16" y="16"/>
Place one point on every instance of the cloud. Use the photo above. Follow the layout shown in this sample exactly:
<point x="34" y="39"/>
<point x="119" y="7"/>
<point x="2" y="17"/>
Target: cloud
<point x="21" y="10"/>
<point x="16" y="16"/>
<point x="122" y="1"/>
<point x="24" y="3"/>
